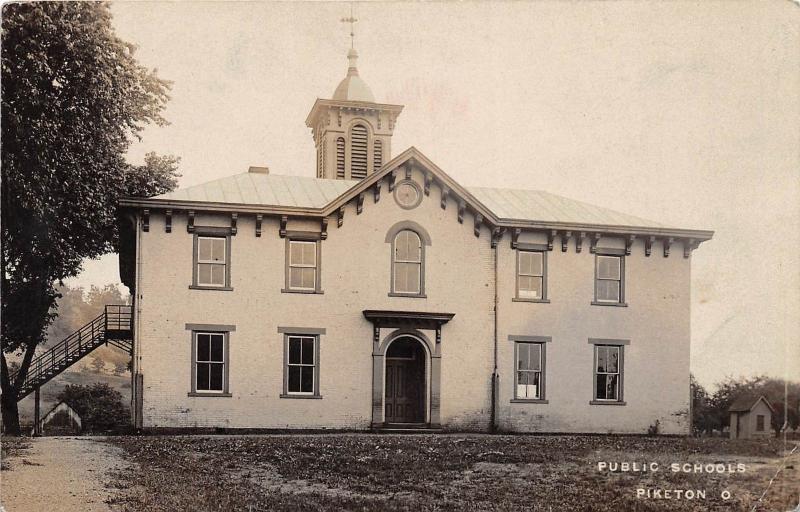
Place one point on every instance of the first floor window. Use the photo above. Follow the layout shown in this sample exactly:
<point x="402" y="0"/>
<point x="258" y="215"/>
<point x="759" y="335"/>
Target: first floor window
<point x="530" y="371"/>
<point x="303" y="265"/>
<point x="608" y="372"/>
<point x="608" y="282"/>
<point x="301" y="372"/>
<point x="760" y="423"/>
<point x="209" y="362"/>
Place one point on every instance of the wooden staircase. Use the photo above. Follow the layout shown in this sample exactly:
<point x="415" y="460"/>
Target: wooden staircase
<point x="112" y="327"/>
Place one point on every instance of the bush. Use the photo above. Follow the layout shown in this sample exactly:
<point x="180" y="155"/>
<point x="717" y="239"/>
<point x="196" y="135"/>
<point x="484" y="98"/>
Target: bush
<point x="99" y="406"/>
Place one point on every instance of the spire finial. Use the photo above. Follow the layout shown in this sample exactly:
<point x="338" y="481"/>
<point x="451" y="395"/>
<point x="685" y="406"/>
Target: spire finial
<point x="351" y="20"/>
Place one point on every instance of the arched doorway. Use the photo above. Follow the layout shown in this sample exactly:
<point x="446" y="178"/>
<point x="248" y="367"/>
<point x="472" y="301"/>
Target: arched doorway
<point x="406" y="388"/>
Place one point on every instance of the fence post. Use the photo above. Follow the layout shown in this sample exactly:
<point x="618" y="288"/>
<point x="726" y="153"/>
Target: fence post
<point x="37" y="428"/>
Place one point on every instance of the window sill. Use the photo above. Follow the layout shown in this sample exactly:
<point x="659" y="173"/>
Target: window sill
<point x="412" y="295"/>
<point x="307" y="292"/>
<point x="529" y="401"/>
<point x="200" y="393"/>
<point x="537" y="301"/>
<point x="612" y="304"/>
<point x="307" y="397"/>
<point x="606" y="402"/>
<point x="218" y="288"/>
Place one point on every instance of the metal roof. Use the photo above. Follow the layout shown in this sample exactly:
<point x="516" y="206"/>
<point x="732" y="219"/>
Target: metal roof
<point x="304" y="192"/>
<point x="264" y="189"/>
<point x="542" y="206"/>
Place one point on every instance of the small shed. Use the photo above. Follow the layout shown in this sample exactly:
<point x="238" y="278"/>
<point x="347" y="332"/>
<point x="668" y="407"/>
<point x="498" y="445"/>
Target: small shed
<point x="751" y="417"/>
<point x="61" y="419"/>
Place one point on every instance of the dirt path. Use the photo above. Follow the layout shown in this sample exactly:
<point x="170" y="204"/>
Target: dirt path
<point x="60" y="473"/>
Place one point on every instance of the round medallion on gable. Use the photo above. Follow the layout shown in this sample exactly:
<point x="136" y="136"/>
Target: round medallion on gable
<point x="407" y="194"/>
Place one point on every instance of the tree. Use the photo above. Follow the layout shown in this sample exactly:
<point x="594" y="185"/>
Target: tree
<point x="73" y="99"/>
<point x="701" y="422"/>
<point x="99" y="406"/>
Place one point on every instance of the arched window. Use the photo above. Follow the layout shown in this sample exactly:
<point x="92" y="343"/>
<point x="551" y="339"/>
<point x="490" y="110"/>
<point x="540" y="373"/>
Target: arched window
<point x="377" y="156"/>
<point x="407" y="263"/>
<point x="340" y="157"/>
<point x="358" y="151"/>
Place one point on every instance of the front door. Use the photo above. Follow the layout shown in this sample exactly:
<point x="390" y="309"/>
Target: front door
<point x="405" y="382"/>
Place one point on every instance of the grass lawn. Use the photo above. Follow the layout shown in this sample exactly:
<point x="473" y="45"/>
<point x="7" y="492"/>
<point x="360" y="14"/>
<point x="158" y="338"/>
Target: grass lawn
<point x="333" y="472"/>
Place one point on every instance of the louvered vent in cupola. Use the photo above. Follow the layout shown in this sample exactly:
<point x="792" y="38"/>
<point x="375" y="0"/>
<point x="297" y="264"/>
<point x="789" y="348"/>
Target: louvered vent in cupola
<point x="340" y="158"/>
<point x="377" y="155"/>
<point x="358" y="152"/>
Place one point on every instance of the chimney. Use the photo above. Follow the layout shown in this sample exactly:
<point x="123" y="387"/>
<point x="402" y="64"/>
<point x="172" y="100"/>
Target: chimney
<point x="258" y="170"/>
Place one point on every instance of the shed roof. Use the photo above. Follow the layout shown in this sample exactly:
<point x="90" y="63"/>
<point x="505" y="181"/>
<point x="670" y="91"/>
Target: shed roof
<point x="746" y="403"/>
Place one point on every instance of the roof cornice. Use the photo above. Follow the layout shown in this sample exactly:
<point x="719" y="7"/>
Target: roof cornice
<point x="412" y="156"/>
<point x="354" y="105"/>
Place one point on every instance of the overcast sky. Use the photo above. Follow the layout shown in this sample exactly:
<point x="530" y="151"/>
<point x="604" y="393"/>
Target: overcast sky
<point x="682" y="113"/>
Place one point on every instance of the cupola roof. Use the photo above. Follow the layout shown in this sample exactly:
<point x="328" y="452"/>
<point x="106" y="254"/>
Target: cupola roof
<point x="353" y="88"/>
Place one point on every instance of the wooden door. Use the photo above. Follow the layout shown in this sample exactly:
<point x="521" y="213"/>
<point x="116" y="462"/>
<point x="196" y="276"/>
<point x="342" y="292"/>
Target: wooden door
<point x="402" y="392"/>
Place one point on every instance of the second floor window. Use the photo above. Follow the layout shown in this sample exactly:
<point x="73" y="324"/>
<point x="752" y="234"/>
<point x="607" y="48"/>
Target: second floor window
<point x="303" y="266"/>
<point x="609" y="279"/>
<point x="531" y="275"/>
<point x="407" y="263"/>
<point x="211" y="262"/>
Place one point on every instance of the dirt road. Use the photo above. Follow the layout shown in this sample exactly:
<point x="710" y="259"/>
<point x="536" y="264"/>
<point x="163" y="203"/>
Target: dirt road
<point x="60" y="474"/>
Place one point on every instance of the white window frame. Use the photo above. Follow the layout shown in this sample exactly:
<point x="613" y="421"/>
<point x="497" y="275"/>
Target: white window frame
<point x="620" y="281"/>
<point x="540" y="387"/>
<point x="290" y="266"/>
<point x="224" y="263"/>
<point x="531" y="248"/>
<point x="419" y="263"/>
<point x="618" y="373"/>
<point x="314" y="333"/>
<point x="195" y="389"/>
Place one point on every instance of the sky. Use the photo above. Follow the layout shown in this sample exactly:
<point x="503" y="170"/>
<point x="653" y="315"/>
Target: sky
<point x="684" y="113"/>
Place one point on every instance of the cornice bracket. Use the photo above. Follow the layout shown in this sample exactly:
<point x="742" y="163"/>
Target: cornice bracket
<point x="579" y="241"/>
<point x="146" y="220"/>
<point x="409" y="167"/>
<point x="478" y="222"/>
<point x="565" y="236"/>
<point x="234" y="219"/>
<point x="515" y="237"/>
<point x="497" y="234"/>
<point x="445" y="194"/>
<point x="323" y="232"/>
<point x="688" y="246"/>
<point x="667" y="244"/>
<point x="551" y="235"/>
<point x="282" y="230"/>
<point x="428" y="181"/>
<point x="648" y="245"/>
<point x="259" y="221"/>
<point x="360" y="203"/>
<point x="392" y="179"/>
<point x="377" y="191"/>
<point x="168" y="220"/>
<point x="593" y="242"/>
<point x="629" y="244"/>
<point x="462" y="206"/>
<point x="340" y="217"/>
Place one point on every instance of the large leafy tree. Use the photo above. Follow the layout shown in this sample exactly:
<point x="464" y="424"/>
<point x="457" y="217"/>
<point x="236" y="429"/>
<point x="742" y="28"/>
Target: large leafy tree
<point x="73" y="99"/>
